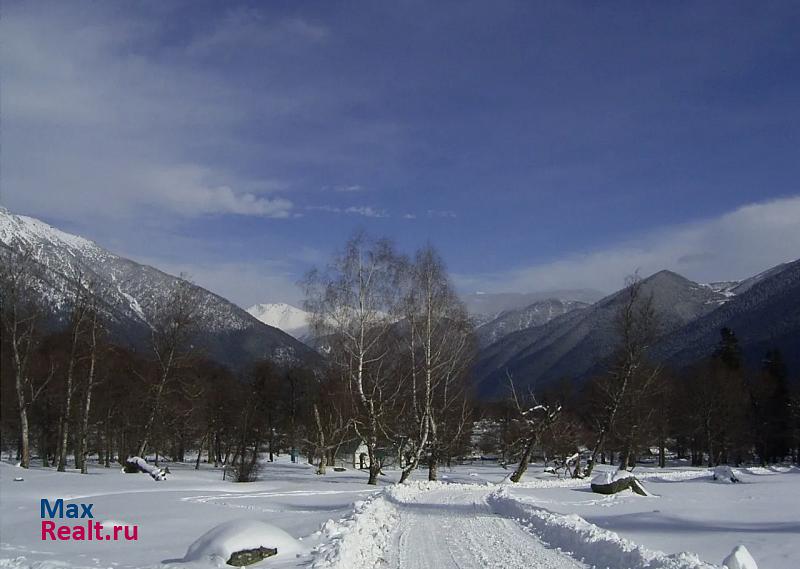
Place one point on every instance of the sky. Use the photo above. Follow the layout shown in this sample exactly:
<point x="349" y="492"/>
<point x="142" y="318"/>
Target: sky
<point x="537" y="145"/>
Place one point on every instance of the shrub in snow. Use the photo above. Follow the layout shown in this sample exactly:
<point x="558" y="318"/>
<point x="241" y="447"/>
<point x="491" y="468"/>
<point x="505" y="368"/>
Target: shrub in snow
<point x="137" y="464"/>
<point x="240" y="540"/>
<point x="740" y="558"/>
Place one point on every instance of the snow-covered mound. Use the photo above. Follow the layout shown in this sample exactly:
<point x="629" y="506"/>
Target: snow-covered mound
<point x="740" y="558"/>
<point x="724" y="473"/>
<point x="217" y="544"/>
<point x="290" y="319"/>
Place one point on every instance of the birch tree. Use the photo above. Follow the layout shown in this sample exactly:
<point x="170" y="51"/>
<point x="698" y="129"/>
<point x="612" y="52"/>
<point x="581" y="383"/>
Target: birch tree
<point x="353" y="304"/>
<point x="175" y="324"/>
<point x="20" y="313"/>
<point x="79" y="307"/>
<point x="439" y="345"/>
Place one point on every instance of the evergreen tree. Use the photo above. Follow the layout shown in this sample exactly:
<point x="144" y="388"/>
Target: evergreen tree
<point x="728" y="350"/>
<point x="777" y="407"/>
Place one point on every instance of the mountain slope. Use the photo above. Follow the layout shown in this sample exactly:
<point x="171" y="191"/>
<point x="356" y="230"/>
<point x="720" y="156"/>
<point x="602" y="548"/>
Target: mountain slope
<point x="484" y="307"/>
<point x="290" y="319"/>
<point x="131" y="293"/>
<point x="765" y="313"/>
<point x="535" y="314"/>
<point x="573" y="344"/>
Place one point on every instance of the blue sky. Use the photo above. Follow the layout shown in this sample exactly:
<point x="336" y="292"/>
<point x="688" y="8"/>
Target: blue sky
<point x="536" y="144"/>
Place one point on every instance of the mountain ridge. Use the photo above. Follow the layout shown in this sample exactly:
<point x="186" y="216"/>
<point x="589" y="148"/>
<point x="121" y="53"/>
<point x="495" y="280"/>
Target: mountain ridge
<point x="133" y="291"/>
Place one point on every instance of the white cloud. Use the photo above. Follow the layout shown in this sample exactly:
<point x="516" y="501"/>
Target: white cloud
<point x="363" y="210"/>
<point x="190" y="190"/>
<point x="246" y="28"/>
<point x="95" y="126"/>
<point x="255" y="282"/>
<point x="442" y="213"/>
<point x="732" y="246"/>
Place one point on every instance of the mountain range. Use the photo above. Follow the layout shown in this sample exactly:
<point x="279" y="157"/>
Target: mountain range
<point x="131" y="292"/>
<point x="763" y="310"/>
<point x="538" y="338"/>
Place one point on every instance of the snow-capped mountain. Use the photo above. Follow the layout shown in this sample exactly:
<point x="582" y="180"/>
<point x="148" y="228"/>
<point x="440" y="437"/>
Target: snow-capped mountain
<point x="131" y="293"/>
<point x="290" y="319"/>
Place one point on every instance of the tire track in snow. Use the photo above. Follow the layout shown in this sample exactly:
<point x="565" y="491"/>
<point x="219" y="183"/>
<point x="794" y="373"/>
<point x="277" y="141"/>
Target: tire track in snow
<point x="446" y="529"/>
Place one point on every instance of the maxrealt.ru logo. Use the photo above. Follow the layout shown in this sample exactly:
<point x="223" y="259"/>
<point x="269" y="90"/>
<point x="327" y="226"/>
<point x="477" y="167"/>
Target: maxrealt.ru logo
<point x="88" y="531"/>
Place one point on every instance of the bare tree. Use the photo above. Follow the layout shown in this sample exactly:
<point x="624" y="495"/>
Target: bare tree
<point x="171" y="335"/>
<point x="440" y="346"/>
<point x="94" y="331"/>
<point x="631" y="377"/>
<point x="534" y="418"/>
<point x="353" y="304"/>
<point x="79" y="308"/>
<point x="20" y="312"/>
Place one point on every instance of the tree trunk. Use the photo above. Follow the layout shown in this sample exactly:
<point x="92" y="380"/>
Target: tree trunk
<point x="524" y="460"/>
<point x="25" y="451"/>
<point x="87" y="405"/>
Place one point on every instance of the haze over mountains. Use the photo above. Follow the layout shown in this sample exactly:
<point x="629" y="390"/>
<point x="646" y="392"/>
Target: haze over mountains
<point x="132" y="293"/>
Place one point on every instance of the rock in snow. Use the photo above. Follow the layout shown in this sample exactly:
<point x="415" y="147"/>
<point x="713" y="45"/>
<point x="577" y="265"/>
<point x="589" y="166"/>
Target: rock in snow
<point x="740" y="558"/>
<point x="219" y="543"/>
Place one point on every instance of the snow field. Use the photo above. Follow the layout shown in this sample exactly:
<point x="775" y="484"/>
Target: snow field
<point x="472" y="519"/>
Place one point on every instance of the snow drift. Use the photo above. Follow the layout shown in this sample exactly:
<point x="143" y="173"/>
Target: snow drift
<point x="217" y="544"/>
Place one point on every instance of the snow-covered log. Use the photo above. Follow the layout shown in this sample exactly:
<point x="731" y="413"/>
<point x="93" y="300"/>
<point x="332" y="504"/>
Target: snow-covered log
<point x="138" y="464"/>
<point x="613" y="482"/>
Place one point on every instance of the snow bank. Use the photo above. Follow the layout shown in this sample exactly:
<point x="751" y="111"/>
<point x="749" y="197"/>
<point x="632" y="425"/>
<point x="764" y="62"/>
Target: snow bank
<point x="358" y="541"/>
<point x="217" y="544"/>
<point x="586" y="541"/>
<point x="740" y="558"/>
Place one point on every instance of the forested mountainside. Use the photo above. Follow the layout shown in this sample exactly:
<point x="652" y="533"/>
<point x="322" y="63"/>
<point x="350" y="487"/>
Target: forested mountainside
<point x="763" y="310"/>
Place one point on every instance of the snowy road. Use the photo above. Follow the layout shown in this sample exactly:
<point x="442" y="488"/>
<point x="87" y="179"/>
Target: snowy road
<point x="446" y="529"/>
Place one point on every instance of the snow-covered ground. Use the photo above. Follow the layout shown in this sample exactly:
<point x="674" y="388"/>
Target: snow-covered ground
<point x="472" y="519"/>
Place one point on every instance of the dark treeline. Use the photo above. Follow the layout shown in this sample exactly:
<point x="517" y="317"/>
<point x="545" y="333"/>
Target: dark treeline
<point x="399" y="347"/>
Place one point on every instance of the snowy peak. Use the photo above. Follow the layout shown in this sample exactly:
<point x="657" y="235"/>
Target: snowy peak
<point x="29" y="231"/>
<point x="290" y="319"/>
<point x="132" y="295"/>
